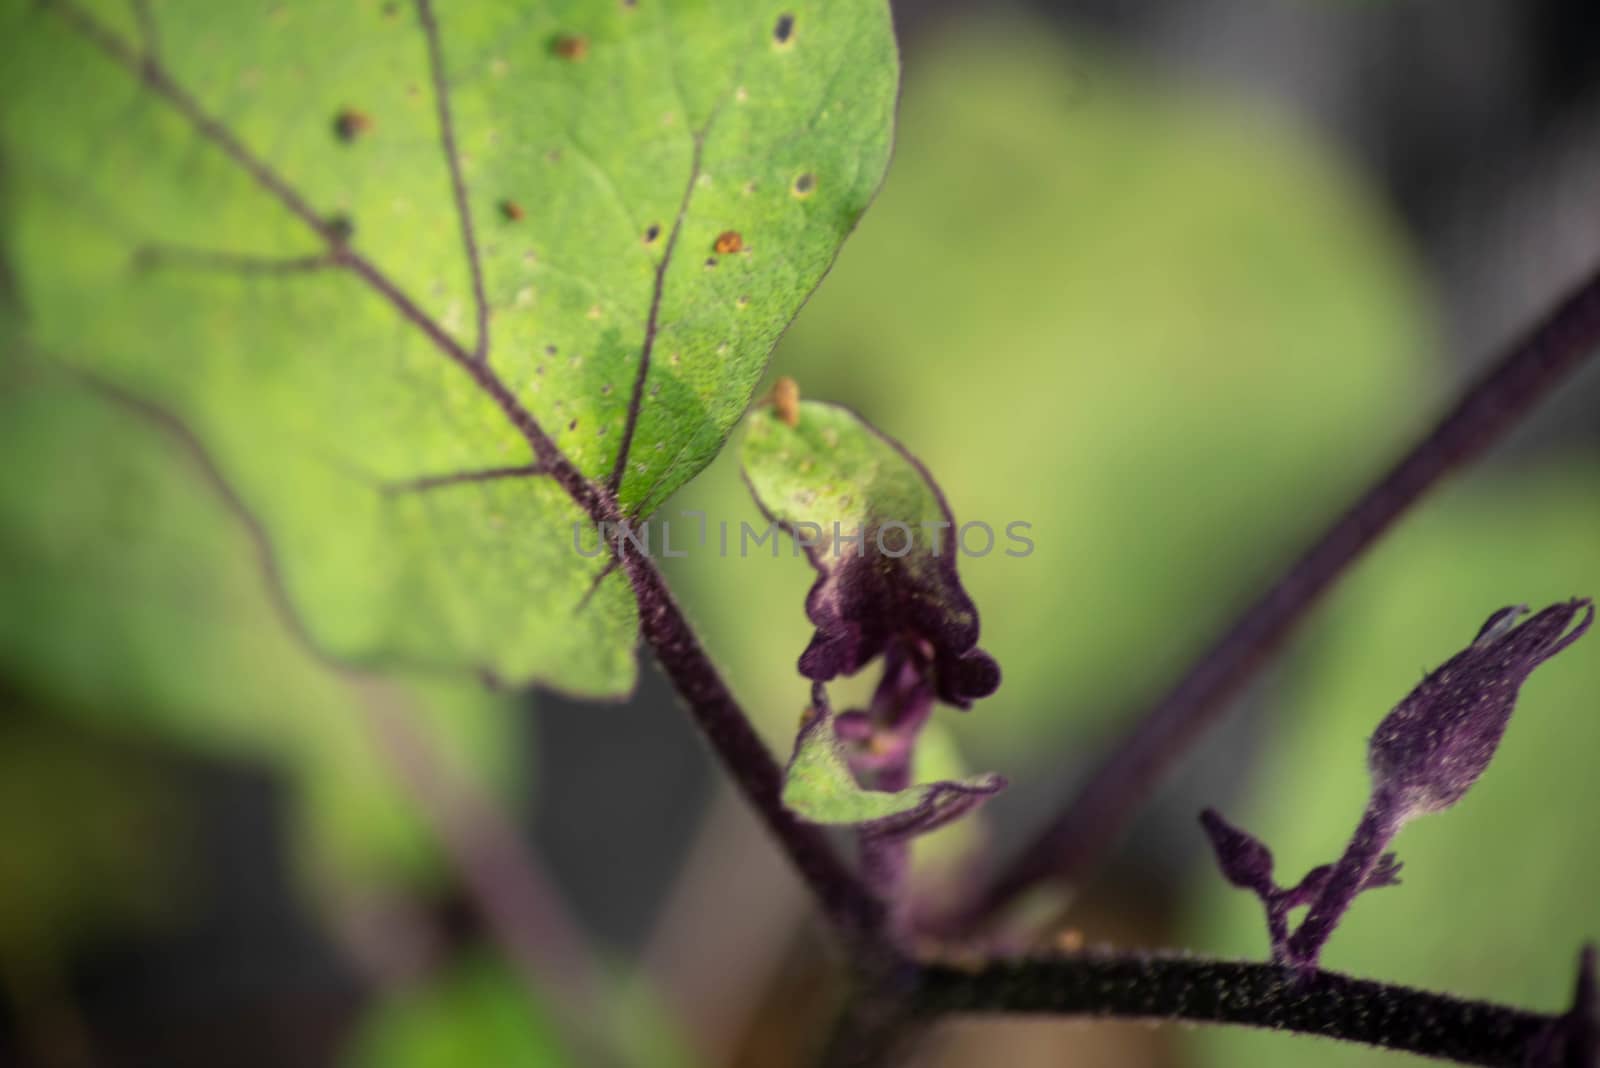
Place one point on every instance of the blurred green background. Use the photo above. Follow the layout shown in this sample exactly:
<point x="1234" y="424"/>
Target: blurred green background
<point x="1169" y="282"/>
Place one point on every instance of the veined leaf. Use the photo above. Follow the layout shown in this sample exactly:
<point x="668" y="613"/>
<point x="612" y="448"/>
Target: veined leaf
<point x="313" y="232"/>
<point x="132" y="599"/>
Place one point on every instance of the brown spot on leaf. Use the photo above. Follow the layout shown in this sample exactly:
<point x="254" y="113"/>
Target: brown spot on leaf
<point x="805" y="184"/>
<point x="729" y="241"/>
<point x="652" y="232"/>
<point x="783" y="30"/>
<point x="512" y="211"/>
<point x="786" y="400"/>
<point x="350" y="124"/>
<point x="574" y="47"/>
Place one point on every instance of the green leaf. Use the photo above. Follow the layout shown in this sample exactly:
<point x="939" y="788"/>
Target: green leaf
<point x="829" y="467"/>
<point x="819" y="788"/>
<point x="1141" y="317"/>
<point x="1497" y="894"/>
<point x="133" y="600"/>
<point x="606" y="152"/>
<point x="476" y="1014"/>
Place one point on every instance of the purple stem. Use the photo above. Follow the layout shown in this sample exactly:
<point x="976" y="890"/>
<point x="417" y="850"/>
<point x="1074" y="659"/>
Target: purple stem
<point x="1268" y="996"/>
<point x="886" y="859"/>
<point x="1277" y="907"/>
<point x="1380" y="822"/>
<point x="1097" y="817"/>
<point x="844" y="898"/>
<point x="900" y="708"/>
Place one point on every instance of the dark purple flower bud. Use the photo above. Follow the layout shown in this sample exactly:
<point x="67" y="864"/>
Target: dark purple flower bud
<point x="1431" y="748"/>
<point x="881" y="536"/>
<point x="881" y="739"/>
<point x="1435" y="744"/>
<point x="1245" y="861"/>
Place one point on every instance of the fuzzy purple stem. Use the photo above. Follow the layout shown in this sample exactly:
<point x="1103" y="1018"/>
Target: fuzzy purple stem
<point x="1267" y="996"/>
<point x="844" y="898"/>
<point x="885" y="859"/>
<point x="1380" y="822"/>
<point x="1096" y="818"/>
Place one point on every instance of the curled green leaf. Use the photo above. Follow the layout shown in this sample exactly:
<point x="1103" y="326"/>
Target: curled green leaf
<point x="820" y="788"/>
<point x="883" y="540"/>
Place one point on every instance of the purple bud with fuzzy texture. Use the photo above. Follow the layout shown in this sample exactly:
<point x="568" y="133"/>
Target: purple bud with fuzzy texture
<point x="1245" y="860"/>
<point x="1433" y="746"/>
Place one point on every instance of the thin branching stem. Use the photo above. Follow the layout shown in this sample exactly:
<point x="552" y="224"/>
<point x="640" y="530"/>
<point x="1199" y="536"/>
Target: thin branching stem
<point x="900" y="992"/>
<point x="1098" y="814"/>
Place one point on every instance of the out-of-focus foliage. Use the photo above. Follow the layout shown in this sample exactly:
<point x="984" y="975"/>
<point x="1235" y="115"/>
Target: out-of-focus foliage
<point x="131" y="598"/>
<point x="1166" y="332"/>
<point x="473" y="1016"/>
<point x="1497" y="893"/>
<point x="92" y="834"/>
<point x="144" y="251"/>
<point x="478" y="1013"/>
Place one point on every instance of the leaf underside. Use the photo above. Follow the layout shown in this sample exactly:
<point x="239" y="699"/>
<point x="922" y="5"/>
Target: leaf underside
<point x="645" y="185"/>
